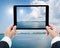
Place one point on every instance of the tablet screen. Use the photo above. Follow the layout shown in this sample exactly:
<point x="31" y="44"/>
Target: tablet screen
<point x="31" y="17"/>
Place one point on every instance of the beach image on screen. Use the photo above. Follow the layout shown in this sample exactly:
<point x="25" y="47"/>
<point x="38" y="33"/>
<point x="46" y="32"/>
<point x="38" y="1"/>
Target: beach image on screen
<point x="31" y="17"/>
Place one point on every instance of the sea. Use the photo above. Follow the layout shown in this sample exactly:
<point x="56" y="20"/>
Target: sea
<point x="30" y="41"/>
<point x="31" y="24"/>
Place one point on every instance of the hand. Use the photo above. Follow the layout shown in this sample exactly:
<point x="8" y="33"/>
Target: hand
<point x="11" y="31"/>
<point x="52" y="31"/>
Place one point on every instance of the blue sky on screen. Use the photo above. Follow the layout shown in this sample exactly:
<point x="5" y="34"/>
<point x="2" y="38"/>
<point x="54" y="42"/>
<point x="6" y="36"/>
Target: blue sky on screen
<point x="31" y="13"/>
<point x="6" y="11"/>
<point x="22" y="12"/>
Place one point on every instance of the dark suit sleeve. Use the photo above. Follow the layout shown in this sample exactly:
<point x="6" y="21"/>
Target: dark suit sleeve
<point x="4" y="44"/>
<point x="56" y="45"/>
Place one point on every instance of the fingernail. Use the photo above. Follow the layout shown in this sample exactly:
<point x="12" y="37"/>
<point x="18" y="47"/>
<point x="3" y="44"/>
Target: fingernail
<point x="15" y="26"/>
<point x="46" y="26"/>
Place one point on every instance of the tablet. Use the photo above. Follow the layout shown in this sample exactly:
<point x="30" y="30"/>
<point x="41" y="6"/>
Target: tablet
<point x="31" y="16"/>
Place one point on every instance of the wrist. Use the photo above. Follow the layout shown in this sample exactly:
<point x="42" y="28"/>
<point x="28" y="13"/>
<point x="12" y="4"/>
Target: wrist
<point x="8" y="40"/>
<point x="8" y="36"/>
<point x="55" y="39"/>
<point x="55" y="36"/>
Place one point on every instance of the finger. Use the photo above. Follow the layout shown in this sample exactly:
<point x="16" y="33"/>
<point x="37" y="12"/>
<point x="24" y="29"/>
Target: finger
<point x="14" y="28"/>
<point x="47" y="33"/>
<point x="52" y="26"/>
<point x="10" y="27"/>
<point x="48" y="29"/>
<point x="13" y="32"/>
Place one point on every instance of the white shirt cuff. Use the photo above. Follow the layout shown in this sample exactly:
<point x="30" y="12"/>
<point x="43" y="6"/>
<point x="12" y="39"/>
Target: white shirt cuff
<point x="8" y="40"/>
<point x="57" y="38"/>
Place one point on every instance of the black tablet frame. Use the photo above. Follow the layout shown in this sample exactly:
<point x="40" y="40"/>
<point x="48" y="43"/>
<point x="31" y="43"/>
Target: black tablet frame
<point x="15" y="15"/>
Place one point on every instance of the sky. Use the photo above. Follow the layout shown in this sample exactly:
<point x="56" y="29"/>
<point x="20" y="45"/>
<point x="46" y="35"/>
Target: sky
<point x="6" y="12"/>
<point x="31" y="13"/>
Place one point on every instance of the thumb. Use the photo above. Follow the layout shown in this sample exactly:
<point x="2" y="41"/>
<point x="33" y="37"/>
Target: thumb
<point x="48" y="30"/>
<point x="14" y="31"/>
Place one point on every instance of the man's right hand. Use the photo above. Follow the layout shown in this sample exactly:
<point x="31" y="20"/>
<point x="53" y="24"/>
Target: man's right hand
<point x="11" y="31"/>
<point x="52" y="31"/>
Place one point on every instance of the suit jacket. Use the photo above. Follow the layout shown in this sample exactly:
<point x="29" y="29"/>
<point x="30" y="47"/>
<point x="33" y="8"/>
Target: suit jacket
<point x="4" y="44"/>
<point x="56" y="45"/>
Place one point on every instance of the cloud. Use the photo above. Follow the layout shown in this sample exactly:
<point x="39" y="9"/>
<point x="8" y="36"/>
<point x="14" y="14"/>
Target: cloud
<point x="54" y="13"/>
<point x="38" y="2"/>
<point x="54" y="10"/>
<point x="37" y="13"/>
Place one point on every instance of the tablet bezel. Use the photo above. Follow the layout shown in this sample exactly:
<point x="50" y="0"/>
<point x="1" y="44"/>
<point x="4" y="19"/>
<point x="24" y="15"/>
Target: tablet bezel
<point x="15" y="14"/>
